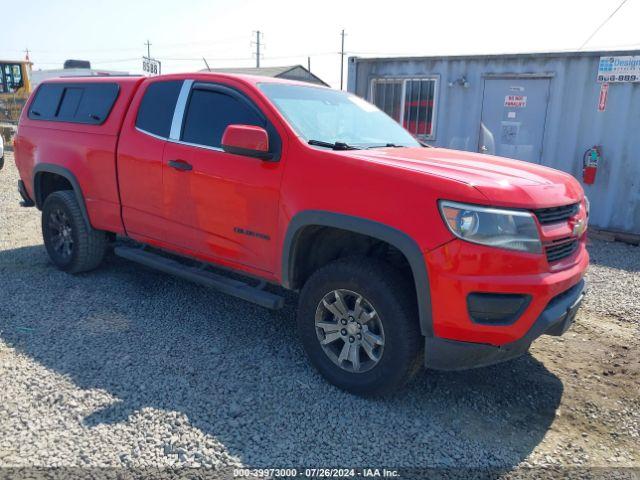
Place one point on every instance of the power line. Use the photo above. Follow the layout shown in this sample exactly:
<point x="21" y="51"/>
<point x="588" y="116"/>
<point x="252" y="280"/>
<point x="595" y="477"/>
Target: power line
<point x="198" y="59"/>
<point x="208" y="57"/>
<point x="262" y="55"/>
<point x="135" y="59"/>
<point x="297" y="55"/>
<point x="117" y="60"/>
<point x="131" y="49"/>
<point x="602" y="25"/>
<point x="203" y="42"/>
<point x="300" y="55"/>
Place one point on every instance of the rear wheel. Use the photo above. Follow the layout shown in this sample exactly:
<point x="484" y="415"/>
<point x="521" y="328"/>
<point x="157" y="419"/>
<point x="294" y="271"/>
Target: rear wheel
<point x="72" y="245"/>
<point x="359" y="327"/>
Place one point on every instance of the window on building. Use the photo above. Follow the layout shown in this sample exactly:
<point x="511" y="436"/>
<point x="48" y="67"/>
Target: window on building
<point x="387" y="96"/>
<point x="409" y="101"/>
<point x="155" y="114"/>
<point x="210" y="113"/>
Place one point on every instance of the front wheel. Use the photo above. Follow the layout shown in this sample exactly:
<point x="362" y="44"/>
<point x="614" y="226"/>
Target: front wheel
<point x="72" y="245"/>
<point x="358" y="324"/>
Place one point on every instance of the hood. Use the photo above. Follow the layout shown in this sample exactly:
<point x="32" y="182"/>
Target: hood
<point x="503" y="181"/>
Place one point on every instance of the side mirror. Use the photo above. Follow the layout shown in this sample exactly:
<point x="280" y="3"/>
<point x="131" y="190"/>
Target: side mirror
<point x="247" y="140"/>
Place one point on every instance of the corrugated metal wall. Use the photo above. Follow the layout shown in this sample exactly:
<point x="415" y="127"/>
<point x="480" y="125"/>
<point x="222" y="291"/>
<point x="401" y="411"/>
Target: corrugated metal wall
<point x="573" y="121"/>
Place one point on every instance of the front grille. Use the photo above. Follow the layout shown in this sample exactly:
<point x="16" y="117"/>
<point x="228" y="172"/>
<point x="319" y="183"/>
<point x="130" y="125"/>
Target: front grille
<point x="559" y="249"/>
<point x="551" y="215"/>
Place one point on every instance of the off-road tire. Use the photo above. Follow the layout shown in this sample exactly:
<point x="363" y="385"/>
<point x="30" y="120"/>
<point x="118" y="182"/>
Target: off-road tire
<point x="89" y="245"/>
<point x="392" y="297"/>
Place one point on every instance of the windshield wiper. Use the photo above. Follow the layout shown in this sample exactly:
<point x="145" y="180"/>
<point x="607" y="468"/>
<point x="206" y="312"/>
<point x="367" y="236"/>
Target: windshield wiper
<point x="334" y="146"/>
<point x="386" y="145"/>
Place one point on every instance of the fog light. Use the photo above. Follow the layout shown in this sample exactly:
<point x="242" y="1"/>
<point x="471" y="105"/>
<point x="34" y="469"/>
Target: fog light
<point x="496" y="308"/>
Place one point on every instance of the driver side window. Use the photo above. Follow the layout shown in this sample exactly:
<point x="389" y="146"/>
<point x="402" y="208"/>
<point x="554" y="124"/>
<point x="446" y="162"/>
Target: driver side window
<point x="209" y="113"/>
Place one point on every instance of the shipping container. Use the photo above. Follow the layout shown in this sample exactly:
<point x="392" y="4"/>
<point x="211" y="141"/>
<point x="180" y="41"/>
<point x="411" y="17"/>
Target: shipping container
<point x="546" y="108"/>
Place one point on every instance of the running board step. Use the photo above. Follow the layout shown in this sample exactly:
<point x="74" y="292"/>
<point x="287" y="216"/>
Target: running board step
<point x="200" y="276"/>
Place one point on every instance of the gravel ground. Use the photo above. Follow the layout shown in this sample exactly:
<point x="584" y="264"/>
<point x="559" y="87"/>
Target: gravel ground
<point x="128" y="367"/>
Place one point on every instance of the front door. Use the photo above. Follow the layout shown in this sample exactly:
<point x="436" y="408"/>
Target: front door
<point x="514" y="113"/>
<point x="220" y="205"/>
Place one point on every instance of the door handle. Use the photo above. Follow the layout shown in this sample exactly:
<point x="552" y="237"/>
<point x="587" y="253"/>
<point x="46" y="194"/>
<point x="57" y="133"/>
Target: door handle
<point x="180" y="165"/>
<point x="483" y="149"/>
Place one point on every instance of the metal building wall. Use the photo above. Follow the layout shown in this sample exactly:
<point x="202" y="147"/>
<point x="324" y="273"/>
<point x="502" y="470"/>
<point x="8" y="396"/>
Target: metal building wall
<point x="573" y="122"/>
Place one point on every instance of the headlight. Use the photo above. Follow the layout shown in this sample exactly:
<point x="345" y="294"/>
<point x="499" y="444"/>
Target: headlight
<point x="510" y="229"/>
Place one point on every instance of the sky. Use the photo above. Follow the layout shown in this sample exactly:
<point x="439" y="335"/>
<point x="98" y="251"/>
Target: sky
<point x="111" y="33"/>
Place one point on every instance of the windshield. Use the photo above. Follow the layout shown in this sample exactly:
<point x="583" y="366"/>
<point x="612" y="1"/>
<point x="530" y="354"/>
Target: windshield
<point x="332" y="116"/>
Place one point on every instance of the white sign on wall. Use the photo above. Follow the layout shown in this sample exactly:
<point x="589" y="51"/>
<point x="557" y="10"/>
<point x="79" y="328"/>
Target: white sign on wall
<point x="151" y="66"/>
<point x="515" y="101"/>
<point x="619" y="69"/>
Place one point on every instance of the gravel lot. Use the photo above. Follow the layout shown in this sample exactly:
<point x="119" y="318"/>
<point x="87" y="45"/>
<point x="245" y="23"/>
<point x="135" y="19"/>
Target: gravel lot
<point x="128" y="367"/>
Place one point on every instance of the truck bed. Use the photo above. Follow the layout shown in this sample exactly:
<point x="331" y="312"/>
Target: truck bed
<point x="87" y="150"/>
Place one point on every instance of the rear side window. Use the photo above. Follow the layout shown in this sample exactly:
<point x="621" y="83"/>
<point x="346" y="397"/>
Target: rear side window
<point x="88" y="103"/>
<point x="70" y="103"/>
<point x="45" y="105"/>
<point x="210" y="112"/>
<point x="156" y="109"/>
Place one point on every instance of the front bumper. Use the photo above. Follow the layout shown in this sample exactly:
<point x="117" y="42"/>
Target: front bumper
<point x="459" y="269"/>
<point x="556" y="318"/>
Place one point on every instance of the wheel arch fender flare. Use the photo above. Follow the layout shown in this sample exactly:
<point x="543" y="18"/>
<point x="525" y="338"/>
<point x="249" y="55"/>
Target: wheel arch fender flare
<point x="400" y="240"/>
<point x="65" y="173"/>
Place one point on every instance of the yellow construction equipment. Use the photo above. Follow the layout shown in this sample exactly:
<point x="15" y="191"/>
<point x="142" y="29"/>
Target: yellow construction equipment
<point x="15" y="87"/>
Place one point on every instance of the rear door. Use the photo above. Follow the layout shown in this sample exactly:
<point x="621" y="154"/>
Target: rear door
<point x="217" y="204"/>
<point x="514" y="113"/>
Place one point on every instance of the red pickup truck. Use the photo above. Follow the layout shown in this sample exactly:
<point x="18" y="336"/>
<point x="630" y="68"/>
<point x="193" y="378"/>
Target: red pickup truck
<point x="402" y="254"/>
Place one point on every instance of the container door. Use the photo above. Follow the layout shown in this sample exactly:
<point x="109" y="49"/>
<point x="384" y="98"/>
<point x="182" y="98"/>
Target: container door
<point x="514" y="113"/>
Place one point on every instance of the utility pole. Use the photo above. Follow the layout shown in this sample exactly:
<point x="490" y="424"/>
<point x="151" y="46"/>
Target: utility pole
<point x="26" y="52"/>
<point x="258" y="34"/>
<point x="342" y="60"/>
<point x="309" y="63"/>
<point x="148" y="49"/>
